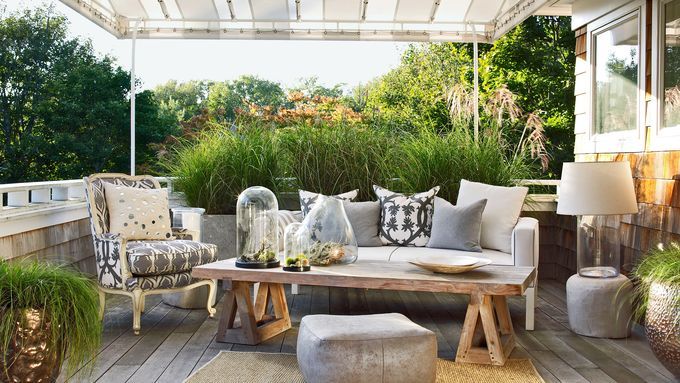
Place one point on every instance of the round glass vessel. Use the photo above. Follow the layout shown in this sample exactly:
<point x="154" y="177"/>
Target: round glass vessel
<point x="257" y="234"/>
<point x="326" y="236"/>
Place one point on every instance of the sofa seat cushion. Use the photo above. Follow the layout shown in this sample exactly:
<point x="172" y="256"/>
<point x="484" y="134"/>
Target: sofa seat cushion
<point x="405" y="254"/>
<point x="148" y="258"/>
<point x="381" y="253"/>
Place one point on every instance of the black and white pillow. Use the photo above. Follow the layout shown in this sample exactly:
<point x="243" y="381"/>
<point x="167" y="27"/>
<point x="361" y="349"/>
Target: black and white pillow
<point x="308" y="199"/>
<point x="405" y="220"/>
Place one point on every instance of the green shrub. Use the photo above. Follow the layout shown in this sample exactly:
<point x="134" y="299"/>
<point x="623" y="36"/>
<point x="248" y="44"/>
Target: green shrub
<point x="215" y="167"/>
<point x="659" y="266"/>
<point x="426" y="159"/>
<point x="336" y="157"/>
<point x="67" y="298"/>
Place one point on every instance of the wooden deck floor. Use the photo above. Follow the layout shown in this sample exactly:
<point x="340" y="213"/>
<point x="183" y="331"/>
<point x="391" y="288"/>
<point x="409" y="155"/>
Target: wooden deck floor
<point x="175" y="342"/>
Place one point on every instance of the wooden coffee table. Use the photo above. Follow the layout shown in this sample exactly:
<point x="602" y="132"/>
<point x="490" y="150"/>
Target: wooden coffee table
<point x="489" y="340"/>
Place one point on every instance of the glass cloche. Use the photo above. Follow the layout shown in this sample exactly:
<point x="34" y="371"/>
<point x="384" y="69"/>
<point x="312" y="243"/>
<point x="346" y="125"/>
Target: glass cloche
<point x="257" y="234"/>
<point x="326" y="234"/>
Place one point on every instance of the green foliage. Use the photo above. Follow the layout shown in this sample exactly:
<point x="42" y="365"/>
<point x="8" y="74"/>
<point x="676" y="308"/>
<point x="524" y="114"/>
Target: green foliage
<point x="413" y="93"/>
<point x="68" y="299"/>
<point x="310" y="87"/>
<point x="229" y="96"/>
<point x="336" y="157"/>
<point x="535" y="61"/>
<point x="219" y="164"/>
<point x="64" y="110"/>
<point x="428" y="158"/>
<point x="659" y="266"/>
<point x="182" y="100"/>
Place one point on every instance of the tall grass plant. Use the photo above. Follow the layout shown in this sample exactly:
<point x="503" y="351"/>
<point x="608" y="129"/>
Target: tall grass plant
<point x="332" y="158"/>
<point x="216" y="166"/>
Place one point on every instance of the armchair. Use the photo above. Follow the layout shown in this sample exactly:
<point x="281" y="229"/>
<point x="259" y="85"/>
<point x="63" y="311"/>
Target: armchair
<point x="137" y="268"/>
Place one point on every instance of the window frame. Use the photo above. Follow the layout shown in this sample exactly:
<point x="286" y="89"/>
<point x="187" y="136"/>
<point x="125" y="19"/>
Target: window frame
<point x="661" y="138"/>
<point x="631" y="140"/>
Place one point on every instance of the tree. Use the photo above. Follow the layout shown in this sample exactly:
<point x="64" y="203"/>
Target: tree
<point x="413" y="93"/>
<point x="533" y="64"/>
<point x="183" y="100"/>
<point x="64" y="109"/>
<point x="229" y="96"/>
<point x="536" y="61"/>
<point x="310" y="87"/>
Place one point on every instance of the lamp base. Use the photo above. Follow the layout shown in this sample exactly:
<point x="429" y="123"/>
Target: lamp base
<point x="598" y="272"/>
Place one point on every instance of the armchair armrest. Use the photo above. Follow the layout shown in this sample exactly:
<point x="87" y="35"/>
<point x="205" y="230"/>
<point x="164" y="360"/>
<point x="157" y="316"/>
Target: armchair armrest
<point x="525" y="245"/>
<point x="111" y="260"/>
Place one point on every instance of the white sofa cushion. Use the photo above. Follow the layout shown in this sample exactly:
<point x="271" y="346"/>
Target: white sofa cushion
<point x="381" y="253"/>
<point x="405" y="254"/>
<point x="503" y="207"/>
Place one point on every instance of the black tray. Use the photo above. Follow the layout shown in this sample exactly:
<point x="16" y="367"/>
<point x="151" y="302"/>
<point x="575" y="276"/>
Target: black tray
<point x="258" y="265"/>
<point x="296" y="269"/>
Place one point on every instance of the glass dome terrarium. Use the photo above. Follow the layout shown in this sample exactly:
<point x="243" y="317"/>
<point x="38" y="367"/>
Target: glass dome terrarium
<point x="257" y="235"/>
<point x="326" y="236"/>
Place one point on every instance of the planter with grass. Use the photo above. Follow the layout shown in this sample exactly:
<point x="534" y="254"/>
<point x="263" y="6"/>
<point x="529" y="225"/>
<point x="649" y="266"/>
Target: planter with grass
<point x="658" y="298"/>
<point x="215" y="168"/>
<point x="47" y="314"/>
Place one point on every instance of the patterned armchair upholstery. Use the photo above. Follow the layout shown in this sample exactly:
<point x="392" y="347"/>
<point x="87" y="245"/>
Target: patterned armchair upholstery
<point x="139" y="268"/>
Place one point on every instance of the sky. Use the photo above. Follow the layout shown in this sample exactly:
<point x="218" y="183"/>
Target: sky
<point x="157" y="61"/>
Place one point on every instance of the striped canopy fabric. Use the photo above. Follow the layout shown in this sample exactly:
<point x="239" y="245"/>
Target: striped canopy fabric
<point x="383" y="20"/>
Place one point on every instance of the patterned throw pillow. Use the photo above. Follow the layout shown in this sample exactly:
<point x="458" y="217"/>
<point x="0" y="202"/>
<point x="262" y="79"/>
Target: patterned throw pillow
<point x="137" y="213"/>
<point x="308" y="199"/>
<point x="405" y="220"/>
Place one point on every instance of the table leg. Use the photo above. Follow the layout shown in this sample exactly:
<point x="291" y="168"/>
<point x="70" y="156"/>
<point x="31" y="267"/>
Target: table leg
<point x="255" y="326"/>
<point x="496" y="344"/>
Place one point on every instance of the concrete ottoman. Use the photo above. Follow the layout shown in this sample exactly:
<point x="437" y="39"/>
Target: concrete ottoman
<point x="600" y="307"/>
<point x="365" y="348"/>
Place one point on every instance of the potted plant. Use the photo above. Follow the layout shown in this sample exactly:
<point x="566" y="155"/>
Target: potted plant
<point x="658" y="303"/>
<point x="47" y="313"/>
<point x="214" y="167"/>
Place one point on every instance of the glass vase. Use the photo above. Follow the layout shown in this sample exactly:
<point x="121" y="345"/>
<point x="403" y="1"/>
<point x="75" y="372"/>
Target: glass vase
<point x="326" y="235"/>
<point x="598" y="246"/>
<point x="257" y="234"/>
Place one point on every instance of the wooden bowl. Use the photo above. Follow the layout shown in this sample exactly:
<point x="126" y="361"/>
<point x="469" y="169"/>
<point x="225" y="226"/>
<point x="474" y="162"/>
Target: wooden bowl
<point x="450" y="264"/>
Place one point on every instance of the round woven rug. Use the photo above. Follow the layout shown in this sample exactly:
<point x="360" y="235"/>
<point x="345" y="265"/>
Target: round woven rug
<point x="257" y="367"/>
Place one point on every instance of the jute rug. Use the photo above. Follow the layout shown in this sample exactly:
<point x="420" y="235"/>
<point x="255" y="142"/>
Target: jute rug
<point x="256" y="367"/>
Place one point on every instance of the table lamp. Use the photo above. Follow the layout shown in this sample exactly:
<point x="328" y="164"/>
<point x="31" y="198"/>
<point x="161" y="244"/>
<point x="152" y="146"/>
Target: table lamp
<point x="598" y="193"/>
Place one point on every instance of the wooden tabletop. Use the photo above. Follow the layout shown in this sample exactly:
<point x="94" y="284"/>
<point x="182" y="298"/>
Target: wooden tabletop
<point x="384" y="275"/>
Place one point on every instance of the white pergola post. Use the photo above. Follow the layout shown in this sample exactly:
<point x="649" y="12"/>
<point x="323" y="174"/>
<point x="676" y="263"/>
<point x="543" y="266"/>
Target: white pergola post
<point x="132" y="100"/>
<point x="476" y="85"/>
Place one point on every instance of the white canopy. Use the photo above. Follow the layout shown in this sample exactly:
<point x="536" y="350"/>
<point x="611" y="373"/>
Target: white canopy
<point x="386" y="20"/>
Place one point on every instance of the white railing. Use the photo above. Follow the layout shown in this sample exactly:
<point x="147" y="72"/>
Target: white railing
<point x="38" y="194"/>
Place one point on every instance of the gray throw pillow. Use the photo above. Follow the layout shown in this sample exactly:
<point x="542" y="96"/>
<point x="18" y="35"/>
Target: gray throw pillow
<point x="457" y="227"/>
<point x="365" y="220"/>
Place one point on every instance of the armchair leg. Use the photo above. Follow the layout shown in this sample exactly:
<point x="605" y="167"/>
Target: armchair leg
<point x="102" y="304"/>
<point x="137" y="303"/>
<point x="212" y="292"/>
<point x="142" y="304"/>
<point x="530" y="296"/>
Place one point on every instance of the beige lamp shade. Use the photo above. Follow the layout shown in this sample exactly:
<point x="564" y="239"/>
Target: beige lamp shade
<point x="596" y="188"/>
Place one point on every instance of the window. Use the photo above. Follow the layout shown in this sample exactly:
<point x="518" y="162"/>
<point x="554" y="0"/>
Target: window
<point x="670" y="40"/>
<point x="616" y="76"/>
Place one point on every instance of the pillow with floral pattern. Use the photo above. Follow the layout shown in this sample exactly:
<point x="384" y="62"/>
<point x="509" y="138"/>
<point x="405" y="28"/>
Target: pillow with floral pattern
<point x="405" y="220"/>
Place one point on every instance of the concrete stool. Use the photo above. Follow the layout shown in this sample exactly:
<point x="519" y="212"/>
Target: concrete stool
<point x="600" y="307"/>
<point x="365" y="348"/>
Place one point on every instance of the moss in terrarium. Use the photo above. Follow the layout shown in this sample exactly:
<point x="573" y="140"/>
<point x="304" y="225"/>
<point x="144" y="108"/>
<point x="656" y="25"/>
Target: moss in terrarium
<point x="263" y="255"/>
<point x="299" y="261"/>
<point x="325" y="253"/>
